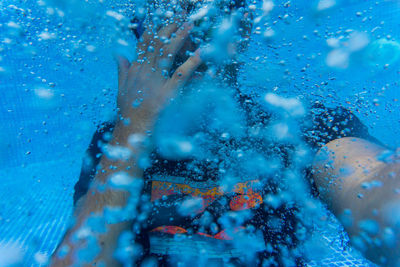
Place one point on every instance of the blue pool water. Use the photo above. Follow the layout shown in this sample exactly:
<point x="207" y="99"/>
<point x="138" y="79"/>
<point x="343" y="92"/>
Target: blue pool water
<point x="58" y="81"/>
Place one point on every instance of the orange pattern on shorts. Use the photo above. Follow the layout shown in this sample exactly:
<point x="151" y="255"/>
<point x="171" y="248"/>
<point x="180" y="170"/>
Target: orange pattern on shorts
<point x="243" y="202"/>
<point x="168" y="229"/>
<point x="247" y="199"/>
<point x="222" y="235"/>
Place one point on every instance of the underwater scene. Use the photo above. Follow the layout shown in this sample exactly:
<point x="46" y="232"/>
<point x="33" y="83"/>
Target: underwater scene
<point x="199" y="133"/>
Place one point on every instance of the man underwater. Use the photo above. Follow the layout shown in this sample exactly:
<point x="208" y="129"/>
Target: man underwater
<point x="188" y="205"/>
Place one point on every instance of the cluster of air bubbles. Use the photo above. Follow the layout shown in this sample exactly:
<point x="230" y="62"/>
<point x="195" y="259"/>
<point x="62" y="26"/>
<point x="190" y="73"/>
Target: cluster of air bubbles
<point x="44" y="93"/>
<point x="323" y="5"/>
<point x="73" y="8"/>
<point x="344" y="46"/>
<point x="178" y="135"/>
<point x="383" y="53"/>
<point x="292" y="106"/>
<point x="137" y="140"/>
<point x="222" y="45"/>
<point x="11" y="255"/>
<point x="45" y="98"/>
<point x="358" y="48"/>
<point x="117" y="152"/>
<point x="127" y="251"/>
<point x="191" y="206"/>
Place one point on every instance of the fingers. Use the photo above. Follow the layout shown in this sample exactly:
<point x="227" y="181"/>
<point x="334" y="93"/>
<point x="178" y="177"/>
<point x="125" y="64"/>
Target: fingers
<point x="160" y="39"/>
<point x="174" y="23"/>
<point x="145" y="41"/>
<point x="179" y="78"/>
<point x="153" y="32"/>
<point x="170" y="51"/>
<point x="179" y="39"/>
<point x="123" y="69"/>
<point x="152" y="41"/>
<point x="168" y="30"/>
<point x="147" y="37"/>
<point x="185" y="71"/>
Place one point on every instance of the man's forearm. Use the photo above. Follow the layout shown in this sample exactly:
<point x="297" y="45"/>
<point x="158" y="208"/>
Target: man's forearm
<point x="100" y="196"/>
<point x="358" y="181"/>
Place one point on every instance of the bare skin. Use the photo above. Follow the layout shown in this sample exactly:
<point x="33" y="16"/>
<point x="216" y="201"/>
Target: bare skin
<point x="360" y="189"/>
<point x="145" y="80"/>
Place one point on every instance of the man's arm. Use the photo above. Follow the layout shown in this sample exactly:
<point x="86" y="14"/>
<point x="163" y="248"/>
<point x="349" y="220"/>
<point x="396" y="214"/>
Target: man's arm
<point x="144" y="80"/>
<point x="359" y="180"/>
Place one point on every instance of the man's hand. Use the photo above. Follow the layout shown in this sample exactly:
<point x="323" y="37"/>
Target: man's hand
<point x="146" y="86"/>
